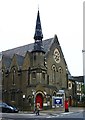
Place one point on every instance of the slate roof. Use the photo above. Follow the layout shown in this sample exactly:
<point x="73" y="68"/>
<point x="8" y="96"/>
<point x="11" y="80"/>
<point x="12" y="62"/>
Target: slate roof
<point x="77" y="78"/>
<point x="6" y="60"/>
<point x="29" y="47"/>
<point x="19" y="59"/>
<point x="20" y="52"/>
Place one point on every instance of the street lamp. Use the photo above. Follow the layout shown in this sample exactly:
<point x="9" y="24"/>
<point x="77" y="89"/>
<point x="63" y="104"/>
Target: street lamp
<point x="33" y="92"/>
<point x="23" y="101"/>
<point x="23" y="96"/>
<point x="83" y="51"/>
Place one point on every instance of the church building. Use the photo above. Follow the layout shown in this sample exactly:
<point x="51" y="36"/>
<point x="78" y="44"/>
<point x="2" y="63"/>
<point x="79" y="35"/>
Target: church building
<point x="34" y="73"/>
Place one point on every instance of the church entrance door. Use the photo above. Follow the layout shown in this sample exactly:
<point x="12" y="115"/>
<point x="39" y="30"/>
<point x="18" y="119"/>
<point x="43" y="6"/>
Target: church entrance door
<point x="39" y="99"/>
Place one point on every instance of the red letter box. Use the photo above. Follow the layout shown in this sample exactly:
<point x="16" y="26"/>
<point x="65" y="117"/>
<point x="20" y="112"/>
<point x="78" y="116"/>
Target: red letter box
<point x="66" y="106"/>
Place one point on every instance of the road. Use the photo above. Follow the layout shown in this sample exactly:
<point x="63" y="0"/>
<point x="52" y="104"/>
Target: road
<point x="79" y="115"/>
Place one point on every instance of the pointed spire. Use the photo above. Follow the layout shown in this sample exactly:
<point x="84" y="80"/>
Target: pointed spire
<point x="38" y="45"/>
<point x="38" y="30"/>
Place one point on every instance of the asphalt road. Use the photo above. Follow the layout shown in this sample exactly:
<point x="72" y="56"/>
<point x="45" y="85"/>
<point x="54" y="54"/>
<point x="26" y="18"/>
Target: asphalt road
<point x="80" y="115"/>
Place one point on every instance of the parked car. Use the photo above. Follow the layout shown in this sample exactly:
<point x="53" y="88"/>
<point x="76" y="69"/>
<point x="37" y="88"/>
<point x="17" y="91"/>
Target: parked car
<point x="6" y="108"/>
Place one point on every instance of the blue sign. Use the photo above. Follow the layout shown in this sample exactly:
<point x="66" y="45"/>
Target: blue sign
<point x="57" y="101"/>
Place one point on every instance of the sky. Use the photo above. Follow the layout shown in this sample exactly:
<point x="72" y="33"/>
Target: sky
<point x="61" y="17"/>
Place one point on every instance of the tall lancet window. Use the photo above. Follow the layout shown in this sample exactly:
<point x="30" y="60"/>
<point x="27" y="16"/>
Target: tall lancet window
<point x="13" y="75"/>
<point x="53" y="73"/>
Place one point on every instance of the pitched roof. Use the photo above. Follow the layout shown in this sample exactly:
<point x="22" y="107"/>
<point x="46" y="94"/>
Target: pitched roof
<point x="19" y="59"/>
<point x="29" y="47"/>
<point x="76" y="78"/>
<point x="21" y="51"/>
<point x="79" y="78"/>
<point x="6" y="60"/>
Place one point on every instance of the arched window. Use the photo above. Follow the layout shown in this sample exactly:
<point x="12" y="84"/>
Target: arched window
<point x="60" y="70"/>
<point x="53" y="73"/>
<point x="54" y="93"/>
<point x="69" y="85"/>
<point x="13" y="70"/>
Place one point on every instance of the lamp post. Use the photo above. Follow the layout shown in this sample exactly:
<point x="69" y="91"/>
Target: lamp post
<point x="83" y="51"/>
<point x="33" y="92"/>
<point x="23" y="101"/>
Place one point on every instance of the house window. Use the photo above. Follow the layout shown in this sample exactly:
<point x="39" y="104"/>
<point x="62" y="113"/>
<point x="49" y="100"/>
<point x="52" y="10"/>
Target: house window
<point x="79" y="86"/>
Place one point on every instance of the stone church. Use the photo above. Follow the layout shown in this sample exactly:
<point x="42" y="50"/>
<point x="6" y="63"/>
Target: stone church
<point x="35" y="72"/>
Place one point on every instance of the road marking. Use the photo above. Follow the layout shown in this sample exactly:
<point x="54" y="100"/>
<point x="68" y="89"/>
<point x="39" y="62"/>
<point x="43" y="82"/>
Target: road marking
<point x="61" y="114"/>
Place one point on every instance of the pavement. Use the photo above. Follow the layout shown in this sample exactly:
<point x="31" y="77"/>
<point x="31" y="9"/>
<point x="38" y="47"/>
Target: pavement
<point x="56" y="111"/>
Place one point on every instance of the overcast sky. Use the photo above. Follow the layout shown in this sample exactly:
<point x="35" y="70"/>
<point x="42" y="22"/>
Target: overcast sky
<point x="61" y="17"/>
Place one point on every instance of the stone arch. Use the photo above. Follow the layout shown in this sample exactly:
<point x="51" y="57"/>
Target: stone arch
<point x="54" y="93"/>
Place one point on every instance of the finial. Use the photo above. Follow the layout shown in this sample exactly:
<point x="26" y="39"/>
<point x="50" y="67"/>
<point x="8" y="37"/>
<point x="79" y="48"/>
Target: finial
<point x="38" y="7"/>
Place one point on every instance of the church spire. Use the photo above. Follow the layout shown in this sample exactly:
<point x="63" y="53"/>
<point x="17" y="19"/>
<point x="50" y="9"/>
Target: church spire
<point x="38" y="30"/>
<point x="38" y="36"/>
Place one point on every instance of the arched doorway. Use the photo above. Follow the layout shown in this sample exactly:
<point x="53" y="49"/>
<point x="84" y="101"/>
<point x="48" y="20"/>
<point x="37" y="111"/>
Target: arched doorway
<point x="39" y="99"/>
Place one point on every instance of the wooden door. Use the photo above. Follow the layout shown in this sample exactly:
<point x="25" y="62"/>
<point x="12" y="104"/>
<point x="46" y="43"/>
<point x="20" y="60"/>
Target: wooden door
<point x="39" y="99"/>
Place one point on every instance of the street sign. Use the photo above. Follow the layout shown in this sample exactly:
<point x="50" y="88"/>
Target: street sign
<point x="57" y="101"/>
